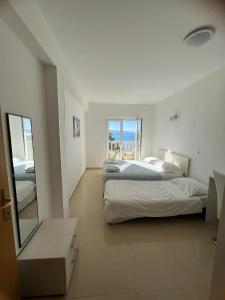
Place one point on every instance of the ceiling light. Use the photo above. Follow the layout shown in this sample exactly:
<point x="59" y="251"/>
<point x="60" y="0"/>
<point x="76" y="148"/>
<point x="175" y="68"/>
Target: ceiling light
<point x="199" y="37"/>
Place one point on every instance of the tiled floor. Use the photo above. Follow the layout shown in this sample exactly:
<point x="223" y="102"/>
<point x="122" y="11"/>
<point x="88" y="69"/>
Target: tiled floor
<point x="149" y="259"/>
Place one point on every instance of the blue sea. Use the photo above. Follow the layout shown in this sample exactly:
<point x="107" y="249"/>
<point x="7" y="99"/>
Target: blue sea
<point x="128" y="136"/>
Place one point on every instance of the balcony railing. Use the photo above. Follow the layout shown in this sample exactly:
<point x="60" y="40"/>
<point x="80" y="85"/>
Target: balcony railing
<point x="124" y="151"/>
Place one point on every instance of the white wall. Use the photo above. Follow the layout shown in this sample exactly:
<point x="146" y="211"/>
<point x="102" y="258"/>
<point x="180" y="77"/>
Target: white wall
<point x="52" y="111"/>
<point x="75" y="147"/>
<point x="25" y="95"/>
<point x="200" y="125"/>
<point x="96" y="128"/>
<point x="35" y="33"/>
<point x="29" y="88"/>
<point x="33" y="30"/>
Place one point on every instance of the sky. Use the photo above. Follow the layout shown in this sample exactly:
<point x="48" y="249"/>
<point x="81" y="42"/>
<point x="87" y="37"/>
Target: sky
<point x="128" y="125"/>
<point x="27" y="124"/>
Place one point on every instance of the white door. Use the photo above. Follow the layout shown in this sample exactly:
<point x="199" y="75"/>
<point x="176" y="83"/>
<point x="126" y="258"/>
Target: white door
<point x="218" y="275"/>
<point x="9" y="278"/>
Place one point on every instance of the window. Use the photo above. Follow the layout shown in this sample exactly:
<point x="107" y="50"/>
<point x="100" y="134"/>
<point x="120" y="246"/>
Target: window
<point x="123" y="139"/>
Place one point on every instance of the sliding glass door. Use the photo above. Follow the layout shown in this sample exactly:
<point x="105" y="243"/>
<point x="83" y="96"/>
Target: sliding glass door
<point x="123" y="139"/>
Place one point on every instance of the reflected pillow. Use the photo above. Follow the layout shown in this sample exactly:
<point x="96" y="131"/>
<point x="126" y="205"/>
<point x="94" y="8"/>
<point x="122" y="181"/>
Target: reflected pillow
<point x="153" y="160"/>
<point x="29" y="168"/>
<point x="170" y="168"/>
<point x="190" y="186"/>
<point x="16" y="159"/>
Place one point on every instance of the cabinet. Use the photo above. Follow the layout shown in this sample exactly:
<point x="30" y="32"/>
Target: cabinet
<point x="46" y="263"/>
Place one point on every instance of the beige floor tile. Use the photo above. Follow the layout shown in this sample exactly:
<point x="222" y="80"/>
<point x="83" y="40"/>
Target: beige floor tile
<point x="126" y="296"/>
<point x="49" y="298"/>
<point x="129" y="296"/>
<point x="139" y="255"/>
<point x="92" y="228"/>
<point x="189" y="228"/>
<point x="166" y="265"/>
<point x="134" y="232"/>
<point x="88" y="197"/>
<point x="200" y="293"/>
<point x="101" y="269"/>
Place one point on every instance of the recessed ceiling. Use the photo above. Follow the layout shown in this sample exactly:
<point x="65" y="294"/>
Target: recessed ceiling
<point x="132" y="51"/>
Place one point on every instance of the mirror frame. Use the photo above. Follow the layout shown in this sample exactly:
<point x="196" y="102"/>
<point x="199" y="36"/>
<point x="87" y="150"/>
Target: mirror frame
<point x="20" y="243"/>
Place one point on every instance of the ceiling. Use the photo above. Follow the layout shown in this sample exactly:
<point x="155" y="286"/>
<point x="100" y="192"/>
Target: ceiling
<point x="131" y="51"/>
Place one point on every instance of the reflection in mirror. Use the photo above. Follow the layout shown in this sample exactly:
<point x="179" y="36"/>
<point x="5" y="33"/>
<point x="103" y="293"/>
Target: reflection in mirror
<point x="24" y="177"/>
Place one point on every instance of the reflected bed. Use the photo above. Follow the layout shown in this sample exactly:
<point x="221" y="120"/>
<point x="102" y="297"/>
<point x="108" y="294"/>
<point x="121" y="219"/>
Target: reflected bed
<point x="20" y="171"/>
<point x="26" y="193"/>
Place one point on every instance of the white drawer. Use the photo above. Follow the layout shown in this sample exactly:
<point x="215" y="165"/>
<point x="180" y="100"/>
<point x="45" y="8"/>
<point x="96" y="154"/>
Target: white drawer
<point x="74" y="243"/>
<point x="74" y="238"/>
<point x="47" y="261"/>
<point x="70" y="261"/>
<point x="71" y="256"/>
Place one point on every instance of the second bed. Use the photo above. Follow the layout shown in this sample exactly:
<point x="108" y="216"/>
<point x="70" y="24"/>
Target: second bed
<point x="126" y="199"/>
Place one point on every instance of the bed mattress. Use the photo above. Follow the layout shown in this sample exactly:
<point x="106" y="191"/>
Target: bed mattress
<point x="26" y="193"/>
<point x="125" y="200"/>
<point x="138" y="170"/>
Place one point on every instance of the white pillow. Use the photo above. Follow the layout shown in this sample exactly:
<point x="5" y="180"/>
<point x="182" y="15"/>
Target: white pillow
<point x="190" y="186"/>
<point x="170" y="168"/>
<point x="153" y="160"/>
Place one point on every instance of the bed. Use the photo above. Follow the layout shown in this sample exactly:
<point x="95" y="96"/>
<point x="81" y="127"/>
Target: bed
<point x="140" y="170"/>
<point x="130" y="199"/>
<point x="25" y="193"/>
<point x="20" y="171"/>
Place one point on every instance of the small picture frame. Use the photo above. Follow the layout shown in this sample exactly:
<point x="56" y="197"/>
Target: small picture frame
<point x="76" y="127"/>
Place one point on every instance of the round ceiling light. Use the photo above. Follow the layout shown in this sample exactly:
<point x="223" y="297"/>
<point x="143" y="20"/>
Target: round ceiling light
<point x="199" y="37"/>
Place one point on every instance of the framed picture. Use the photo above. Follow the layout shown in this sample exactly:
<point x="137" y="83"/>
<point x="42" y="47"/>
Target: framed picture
<point x="76" y="127"/>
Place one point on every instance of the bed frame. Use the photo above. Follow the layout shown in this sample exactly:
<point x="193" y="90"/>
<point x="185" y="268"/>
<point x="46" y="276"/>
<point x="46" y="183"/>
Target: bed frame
<point x="177" y="159"/>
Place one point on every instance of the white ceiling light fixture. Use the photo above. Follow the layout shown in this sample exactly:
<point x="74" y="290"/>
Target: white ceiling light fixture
<point x="199" y="37"/>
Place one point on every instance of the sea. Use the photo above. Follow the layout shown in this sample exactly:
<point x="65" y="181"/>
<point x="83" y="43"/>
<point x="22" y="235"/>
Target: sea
<point x="128" y="136"/>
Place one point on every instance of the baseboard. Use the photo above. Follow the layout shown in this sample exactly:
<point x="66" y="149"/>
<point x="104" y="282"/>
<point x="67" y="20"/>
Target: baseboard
<point x="77" y="184"/>
<point x="89" y="168"/>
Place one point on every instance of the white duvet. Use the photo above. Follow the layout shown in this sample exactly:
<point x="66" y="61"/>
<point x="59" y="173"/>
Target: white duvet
<point x="24" y="189"/>
<point x="25" y="193"/>
<point x="129" y="199"/>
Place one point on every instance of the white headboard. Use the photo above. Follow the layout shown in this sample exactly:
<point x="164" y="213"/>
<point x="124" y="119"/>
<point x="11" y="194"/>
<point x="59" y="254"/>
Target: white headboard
<point x="177" y="159"/>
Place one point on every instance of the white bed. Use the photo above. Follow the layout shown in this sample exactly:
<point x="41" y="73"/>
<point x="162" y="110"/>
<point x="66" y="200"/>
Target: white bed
<point x="130" y="199"/>
<point x="140" y="170"/>
<point x="26" y="193"/>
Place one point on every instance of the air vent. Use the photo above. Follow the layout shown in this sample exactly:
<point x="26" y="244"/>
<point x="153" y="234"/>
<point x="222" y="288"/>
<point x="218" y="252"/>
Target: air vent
<point x="199" y="37"/>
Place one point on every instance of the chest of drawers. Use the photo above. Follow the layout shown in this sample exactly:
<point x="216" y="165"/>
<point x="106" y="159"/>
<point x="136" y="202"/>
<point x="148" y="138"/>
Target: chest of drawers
<point x="46" y="263"/>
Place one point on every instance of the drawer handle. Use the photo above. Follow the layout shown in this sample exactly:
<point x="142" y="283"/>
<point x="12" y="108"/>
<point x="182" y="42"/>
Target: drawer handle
<point x="74" y="256"/>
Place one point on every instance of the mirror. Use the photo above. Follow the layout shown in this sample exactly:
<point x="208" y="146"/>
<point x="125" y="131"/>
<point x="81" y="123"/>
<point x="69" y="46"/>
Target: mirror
<point x="23" y="173"/>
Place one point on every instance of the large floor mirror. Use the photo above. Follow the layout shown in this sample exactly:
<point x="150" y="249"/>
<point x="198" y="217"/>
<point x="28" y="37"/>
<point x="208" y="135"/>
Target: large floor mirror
<point x="24" y="176"/>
